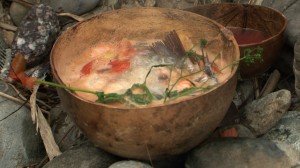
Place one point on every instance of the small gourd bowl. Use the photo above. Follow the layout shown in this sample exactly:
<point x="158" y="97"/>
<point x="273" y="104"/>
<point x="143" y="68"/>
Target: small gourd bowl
<point x="148" y="131"/>
<point x="261" y="18"/>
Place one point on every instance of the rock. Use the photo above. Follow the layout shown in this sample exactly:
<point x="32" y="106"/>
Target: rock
<point x="18" y="11"/>
<point x="287" y="130"/>
<point x="129" y="164"/>
<point x="262" y="114"/>
<point x="83" y="156"/>
<point x="36" y="34"/>
<point x="240" y="152"/>
<point x="65" y="132"/>
<point x="293" y="155"/>
<point x="296" y="65"/>
<point x="20" y="144"/>
<point x="244" y="92"/>
<point x="77" y="7"/>
<point x="290" y="9"/>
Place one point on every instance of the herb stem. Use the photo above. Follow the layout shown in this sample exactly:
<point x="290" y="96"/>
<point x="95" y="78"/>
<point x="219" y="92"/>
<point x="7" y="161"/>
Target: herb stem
<point x="63" y="87"/>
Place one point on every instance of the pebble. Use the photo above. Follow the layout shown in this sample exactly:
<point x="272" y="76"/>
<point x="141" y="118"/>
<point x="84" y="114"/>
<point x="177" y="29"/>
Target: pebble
<point x="241" y="152"/>
<point x="20" y="144"/>
<point x="287" y="130"/>
<point x="129" y="164"/>
<point x="262" y="114"/>
<point x="290" y="9"/>
<point x="83" y="156"/>
<point x="36" y="34"/>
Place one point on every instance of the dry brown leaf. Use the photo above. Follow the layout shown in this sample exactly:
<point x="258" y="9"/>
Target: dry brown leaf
<point x="52" y="148"/>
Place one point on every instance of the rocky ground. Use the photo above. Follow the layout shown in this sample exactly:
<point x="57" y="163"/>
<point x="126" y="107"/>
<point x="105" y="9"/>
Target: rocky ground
<point x="256" y="132"/>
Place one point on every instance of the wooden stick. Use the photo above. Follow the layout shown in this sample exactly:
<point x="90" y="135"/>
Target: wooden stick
<point x="77" y="18"/>
<point x="271" y="83"/>
<point x="12" y="98"/>
<point x="8" y="26"/>
<point x="256" y="87"/>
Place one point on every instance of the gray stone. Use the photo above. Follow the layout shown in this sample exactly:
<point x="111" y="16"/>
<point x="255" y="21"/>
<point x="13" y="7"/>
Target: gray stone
<point x="129" y="164"/>
<point x="290" y="8"/>
<point x="83" y="156"/>
<point x="297" y="65"/>
<point x="77" y="7"/>
<point x="240" y="152"/>
<point x="20" y="144"/>
<point x="287" y="130"/>
<point x="262" y="114"/>
<point x="36" y="34"/>
<point x="244" y="93"/>
<point x="17" y="11"/>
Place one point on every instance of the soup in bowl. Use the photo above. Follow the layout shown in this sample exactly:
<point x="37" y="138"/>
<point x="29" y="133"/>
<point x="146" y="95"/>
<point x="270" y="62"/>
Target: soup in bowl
<point x="159" y="81"/>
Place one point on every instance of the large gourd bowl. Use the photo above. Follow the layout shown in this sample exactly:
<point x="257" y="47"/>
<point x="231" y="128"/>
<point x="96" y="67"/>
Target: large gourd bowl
<point x="261" y="18"/>
<point x="152" y="132"/>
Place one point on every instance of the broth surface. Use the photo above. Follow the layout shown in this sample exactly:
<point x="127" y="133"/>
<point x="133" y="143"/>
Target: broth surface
<point x="116" y="67"/>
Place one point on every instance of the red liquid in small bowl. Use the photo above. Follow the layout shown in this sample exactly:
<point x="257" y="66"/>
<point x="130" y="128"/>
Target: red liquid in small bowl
<point x="247" y="36"/>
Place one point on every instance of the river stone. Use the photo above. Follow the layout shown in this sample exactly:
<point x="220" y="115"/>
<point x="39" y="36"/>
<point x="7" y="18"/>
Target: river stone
<point x="77" y="7"/>
<point x="296" y="65"/>
<point x="240" y="152"/>
<point x="36" y="34"/>
<point x="18" y="11"/>
<point x="262" y="114"/>
<point x="290" y="9"/>
<point x="129" y="164"/>
<point x="287" y="130"/>
<point x="20" y="144"/>
<point x="83" y="156"/>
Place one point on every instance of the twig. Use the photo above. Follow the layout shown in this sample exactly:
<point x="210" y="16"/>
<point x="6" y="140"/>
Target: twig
<point x="75" y="17"/>
<point x="256" y="87"/>
<point x="17" y="91"/>
<point x="271" y="83"/>
<point x="14" y="111"/>
<point x="12" y="98"/>
<point x="149" y="156"/>
<point x="43" y="162"/>
<point x="8" y="26"/>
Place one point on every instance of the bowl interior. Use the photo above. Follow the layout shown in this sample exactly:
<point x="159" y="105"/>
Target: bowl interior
<point x="263" y="19"/>
<point x="151" y="23"/>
